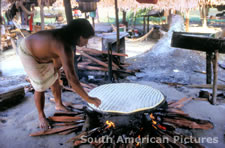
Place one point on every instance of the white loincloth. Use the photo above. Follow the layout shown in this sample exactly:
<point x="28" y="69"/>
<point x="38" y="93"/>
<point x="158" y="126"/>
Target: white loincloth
<point x="41" y="76"/>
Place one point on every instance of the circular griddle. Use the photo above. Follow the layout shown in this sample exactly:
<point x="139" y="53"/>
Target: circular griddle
<point x="126" y="98"/>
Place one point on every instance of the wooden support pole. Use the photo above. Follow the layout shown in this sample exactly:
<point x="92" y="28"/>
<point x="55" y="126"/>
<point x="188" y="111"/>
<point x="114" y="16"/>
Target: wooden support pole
<point x="110" y="74"/>
<point x="117" y="28"/>
<point x="187" y="20"/>
<point x="124" y="17"/>
<point x="215" y="73"/>
<point x="93" y="22"/>
<point x="0" y="32"/>
<point x="148" y="24"/>
<point x="208" y="67"/>
<point x="76" y="62"/>
<point x="41" y="5"/>
<point x="144" y="24"/>
<point x="68" y="11"/>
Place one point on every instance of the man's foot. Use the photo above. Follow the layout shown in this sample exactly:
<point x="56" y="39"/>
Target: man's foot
<point x="61" y="108"/>
<point x="44" y="124"/>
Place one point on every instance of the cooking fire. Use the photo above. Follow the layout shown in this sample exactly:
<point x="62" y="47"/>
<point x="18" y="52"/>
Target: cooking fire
<point x="149" y="120"/>
<point x="158" y="129"/>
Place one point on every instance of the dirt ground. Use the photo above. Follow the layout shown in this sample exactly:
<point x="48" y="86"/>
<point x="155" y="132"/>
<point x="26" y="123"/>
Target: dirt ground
<point x="158" y="63"/>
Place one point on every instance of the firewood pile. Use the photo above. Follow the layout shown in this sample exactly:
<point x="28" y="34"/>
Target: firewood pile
<point x="97" y="60"/>
<point x="11" y="34"/>
<point x="6" y="39"/>
<point x="6" y="43"/>
<point x="64" y="123"/>
<point x="162" y="122"/>
<point x="93" y="68"/>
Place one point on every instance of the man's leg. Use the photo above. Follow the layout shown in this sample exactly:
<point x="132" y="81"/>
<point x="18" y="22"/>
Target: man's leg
<point x="56" y="91"/>
<point x="39" y="98"/>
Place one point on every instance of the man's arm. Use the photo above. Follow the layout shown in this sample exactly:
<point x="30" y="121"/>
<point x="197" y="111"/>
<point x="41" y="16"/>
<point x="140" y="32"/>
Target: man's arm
<point x="67" y="59"/>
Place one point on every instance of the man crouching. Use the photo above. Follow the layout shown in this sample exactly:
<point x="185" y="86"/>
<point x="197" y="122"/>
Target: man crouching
<point x="44" y="53"/>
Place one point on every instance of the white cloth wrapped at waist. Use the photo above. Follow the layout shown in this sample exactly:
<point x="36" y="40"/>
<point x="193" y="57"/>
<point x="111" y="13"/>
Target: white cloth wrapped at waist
<point x="41" y="76"/>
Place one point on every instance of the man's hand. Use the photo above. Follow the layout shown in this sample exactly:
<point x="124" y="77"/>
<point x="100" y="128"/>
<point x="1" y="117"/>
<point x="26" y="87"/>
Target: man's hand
<point x="94" y="101"/>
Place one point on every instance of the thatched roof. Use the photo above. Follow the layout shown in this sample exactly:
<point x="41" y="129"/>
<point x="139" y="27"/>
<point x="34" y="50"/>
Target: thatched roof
<point x="45" y="2"/>
<point x="212" y="2"/>
<point x="180" y="5"/>
<point x="183" y="5"/>
<point x="6" y="3"/>
<point x="123" y="4"/>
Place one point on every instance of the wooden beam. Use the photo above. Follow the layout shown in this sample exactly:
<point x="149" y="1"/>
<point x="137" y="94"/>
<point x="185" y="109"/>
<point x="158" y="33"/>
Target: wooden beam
<point x="95" y="51"/>
<point x="94" y="59"/>
<point x="11" y="92"/>
<point x="197" y="41"/>
<point x="55" y="130"/>
<point x="87" y="67"/>
<point x="220" y="87"/>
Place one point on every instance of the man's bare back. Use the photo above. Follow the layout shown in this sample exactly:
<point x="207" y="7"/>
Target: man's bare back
<point x="44" y="47"/>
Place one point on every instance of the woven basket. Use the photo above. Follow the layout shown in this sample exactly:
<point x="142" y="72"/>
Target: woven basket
<point x="126" y="98"/>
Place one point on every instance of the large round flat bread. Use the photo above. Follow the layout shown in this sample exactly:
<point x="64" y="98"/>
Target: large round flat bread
<point x="126" y="97"/>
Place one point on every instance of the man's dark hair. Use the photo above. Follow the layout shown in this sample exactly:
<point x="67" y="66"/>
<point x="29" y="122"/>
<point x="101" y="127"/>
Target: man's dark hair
<point x="71" y="33"/>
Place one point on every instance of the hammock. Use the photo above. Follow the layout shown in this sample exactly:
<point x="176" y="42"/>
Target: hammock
<point x="136" y="39"/>
<point x="140" y="38"/>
